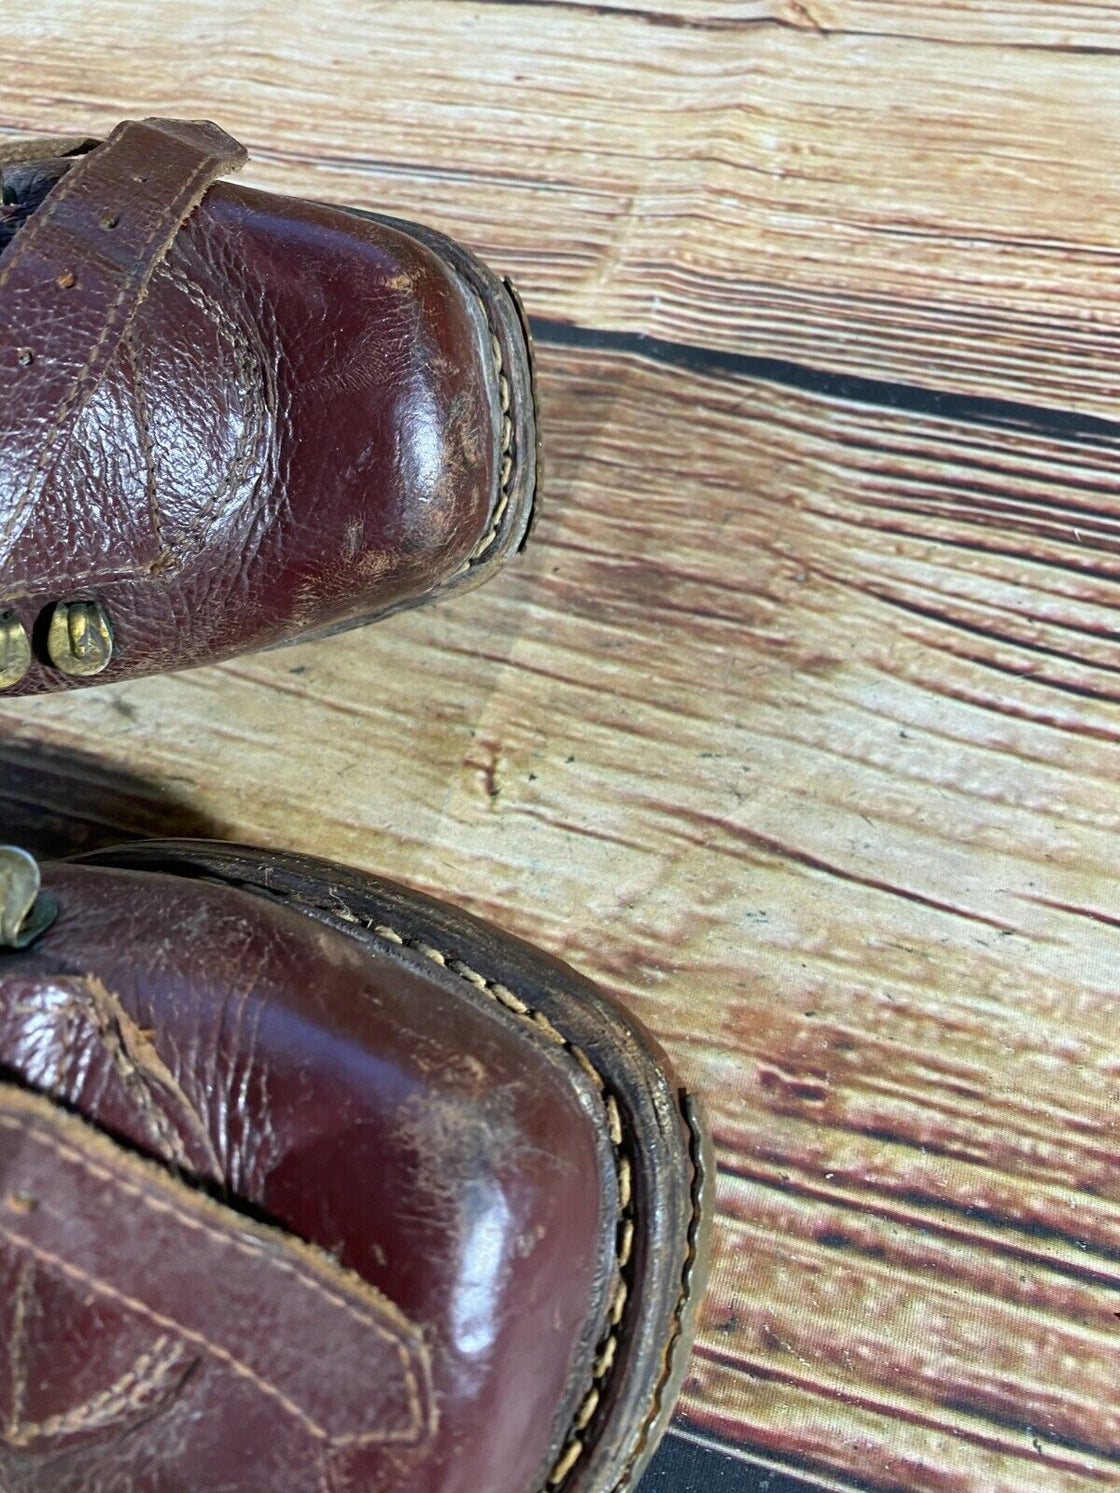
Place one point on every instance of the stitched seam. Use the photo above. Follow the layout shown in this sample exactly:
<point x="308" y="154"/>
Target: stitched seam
<point x="171" y="215"/>
<point x="249" y="375"/>
<point x="17" y="1366"/>
<point x="75" y="1158"/>
<point x="246" y="365"/>
<point x="574" y="1444"/>
<point x="103" y="1288"/>
<point x="144" y="434"/>
<point x="34" y="229"/>
<point x="692" y="1254"/>
<point x="506" y="458"/>
<point x="126" y="1393"/>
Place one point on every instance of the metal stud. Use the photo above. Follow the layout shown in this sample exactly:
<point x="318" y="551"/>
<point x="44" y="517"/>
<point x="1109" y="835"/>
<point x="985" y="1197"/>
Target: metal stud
<point x="80" y="639"/>
<point x="15" y="650"/>
<point x="25" y="912"/>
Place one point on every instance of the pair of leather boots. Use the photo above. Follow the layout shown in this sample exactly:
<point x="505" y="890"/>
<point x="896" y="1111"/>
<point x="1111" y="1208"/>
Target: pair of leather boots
<point x="308" y="1182"/>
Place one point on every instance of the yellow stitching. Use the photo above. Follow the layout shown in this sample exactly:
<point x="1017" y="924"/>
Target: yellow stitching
<point x="606" y="1358"/>
<point x="546" y="1026"/>
<point x="687" y="1272"/>
<point x="66" y="1153"/>
<point x="624" y="1183"/>
<point x="573" y="1447"/>
<point x="618" y="1305"/>
<point x="587" y="1409"/>
<point x="125" y="1393"/>
<point x="593" y="1073"/>
<point x="615" y="1119"/>
<point x="626" y="1243"/>
<point x="566" y="1463"/>
<point x="506" y="457"/>
<point x="507" y="998"/>
<point x="250" y="377"/>
<point x="18" y="1369"/>
<point x="100" y="1287"/>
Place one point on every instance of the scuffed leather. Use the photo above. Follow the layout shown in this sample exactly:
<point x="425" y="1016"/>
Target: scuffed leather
<point x="299" y="429"/>
<point x="428" y="1142"/>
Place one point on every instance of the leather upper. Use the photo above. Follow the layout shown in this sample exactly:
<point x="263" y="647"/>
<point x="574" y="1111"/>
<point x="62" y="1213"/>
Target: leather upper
<point x="235" y="419"/>
<point x="378" y="1250"/>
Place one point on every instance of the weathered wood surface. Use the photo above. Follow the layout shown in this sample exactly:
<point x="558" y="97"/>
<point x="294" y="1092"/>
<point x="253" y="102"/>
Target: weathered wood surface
<point x="799" y="726"/>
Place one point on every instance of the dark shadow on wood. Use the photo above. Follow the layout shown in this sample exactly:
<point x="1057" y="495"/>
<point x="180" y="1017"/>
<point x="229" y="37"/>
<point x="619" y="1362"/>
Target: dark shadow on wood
<point x="710" y="362"/>
<point x="55" y="802"/>
<point x="685" y="1466"/>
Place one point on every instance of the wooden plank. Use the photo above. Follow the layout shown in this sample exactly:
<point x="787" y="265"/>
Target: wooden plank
<point x="804" y="745"/>
<point x="856" y="202"/>
<point x="1063" y="25"/>
<point x="797" y="725"/>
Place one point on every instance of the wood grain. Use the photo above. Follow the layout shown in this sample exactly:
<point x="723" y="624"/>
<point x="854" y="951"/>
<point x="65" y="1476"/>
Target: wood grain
<point x="799" y="725"/>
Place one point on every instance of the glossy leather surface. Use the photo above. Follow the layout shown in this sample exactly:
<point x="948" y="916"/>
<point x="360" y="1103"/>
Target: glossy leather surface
<point x="298" y="426"/>
<point x="426" y="1140"/>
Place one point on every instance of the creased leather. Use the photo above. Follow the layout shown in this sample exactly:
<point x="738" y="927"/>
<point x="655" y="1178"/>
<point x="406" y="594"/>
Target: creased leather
<point x="433" y="1144"/>
<point x="301" y="419"/>
<point x="70" y="286"/>
<point x="202" y="1313"/>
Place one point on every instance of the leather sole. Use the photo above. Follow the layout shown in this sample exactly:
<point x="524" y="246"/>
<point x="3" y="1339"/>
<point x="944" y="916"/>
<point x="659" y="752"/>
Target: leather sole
<point x="627" y="1389"/>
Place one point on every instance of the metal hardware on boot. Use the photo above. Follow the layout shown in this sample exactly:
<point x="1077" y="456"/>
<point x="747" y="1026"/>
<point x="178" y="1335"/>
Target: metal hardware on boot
<point x="24" y="913"/>
<point x="434" y="460"/>
<point x="80" y="639"/>
<point x="15" y="651"/>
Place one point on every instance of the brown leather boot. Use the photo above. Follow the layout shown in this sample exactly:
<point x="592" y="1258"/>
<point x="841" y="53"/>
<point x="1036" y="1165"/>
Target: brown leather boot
<point x="309" y="1183"/>
<point x="230" y="420"/>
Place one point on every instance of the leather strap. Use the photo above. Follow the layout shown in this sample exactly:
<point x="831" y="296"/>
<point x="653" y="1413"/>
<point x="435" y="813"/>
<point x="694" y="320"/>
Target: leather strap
<point x="26" y="148"/>
<point x="184" y="1289"/>
<point x="70" y="286"/>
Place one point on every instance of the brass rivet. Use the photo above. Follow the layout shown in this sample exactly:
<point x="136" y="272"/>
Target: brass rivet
<point x="110" y="220"/>
<point x="67" y="280"/>
<point x="15" y="651"/>
<point x="80" y="639"/>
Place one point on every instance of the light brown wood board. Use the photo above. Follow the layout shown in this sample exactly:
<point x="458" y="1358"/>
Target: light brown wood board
<point x="799" y="725"/>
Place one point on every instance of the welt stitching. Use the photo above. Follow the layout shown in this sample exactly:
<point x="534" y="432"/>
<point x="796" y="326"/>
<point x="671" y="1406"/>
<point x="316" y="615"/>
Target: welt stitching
<point x="506" y="469"/>
<point x="75" y="1158"/>
<point x="71" y="397"/>
<point x="692" y="1254"/>
<point x="606" y="1354"/>
<point x="574" y="1444"/>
